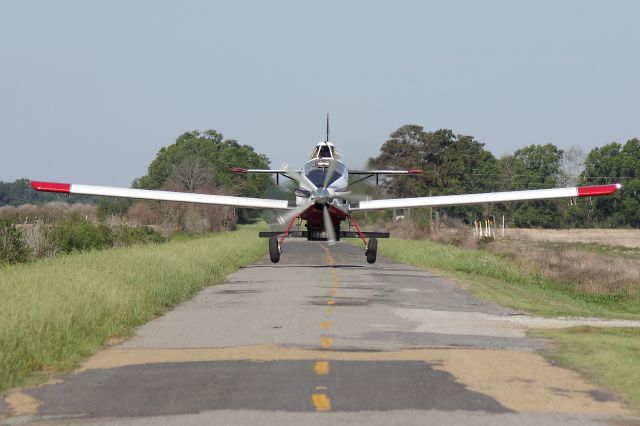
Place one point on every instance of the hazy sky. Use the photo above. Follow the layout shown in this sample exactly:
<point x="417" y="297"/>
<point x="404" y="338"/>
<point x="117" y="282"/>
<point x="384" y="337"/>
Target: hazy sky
<point x="89" y="91"/>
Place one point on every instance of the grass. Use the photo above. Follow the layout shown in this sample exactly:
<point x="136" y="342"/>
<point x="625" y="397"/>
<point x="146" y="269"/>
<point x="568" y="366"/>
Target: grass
<point x="57" y="311"/>
<point x="607" y="356"/>
<point x="500" y="279"/>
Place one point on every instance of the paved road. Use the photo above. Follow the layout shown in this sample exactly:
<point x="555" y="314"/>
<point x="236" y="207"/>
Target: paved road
<point x="323" y="337"/>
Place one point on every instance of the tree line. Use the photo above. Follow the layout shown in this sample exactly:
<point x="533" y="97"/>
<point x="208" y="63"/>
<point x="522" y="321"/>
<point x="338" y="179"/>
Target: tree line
<point x="452" y="164"/>
<point x="455" y="164"/>
<point x="19" y="192"/>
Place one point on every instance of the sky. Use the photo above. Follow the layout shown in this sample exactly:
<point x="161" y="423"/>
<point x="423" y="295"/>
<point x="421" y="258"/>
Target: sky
<point x="90" y="91"/>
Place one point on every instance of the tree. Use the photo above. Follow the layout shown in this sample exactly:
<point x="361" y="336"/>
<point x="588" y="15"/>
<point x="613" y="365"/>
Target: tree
<point x="572" y="165"/>
<point x="203" y="161"/>
<point x="615" y="163"/>
<point x="536" y="167"/>
<point x="451" y="164"/>
<point x="193" y="173"/>
<point x="402" y="151"/>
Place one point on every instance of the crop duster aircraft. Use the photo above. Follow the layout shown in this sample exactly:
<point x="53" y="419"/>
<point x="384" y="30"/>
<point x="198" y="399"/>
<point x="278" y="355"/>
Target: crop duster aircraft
<point x="324" y="199"/>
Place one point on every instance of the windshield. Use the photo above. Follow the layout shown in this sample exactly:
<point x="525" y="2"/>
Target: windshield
<point x="325" y="152"/>
<point x="316" y="175"/>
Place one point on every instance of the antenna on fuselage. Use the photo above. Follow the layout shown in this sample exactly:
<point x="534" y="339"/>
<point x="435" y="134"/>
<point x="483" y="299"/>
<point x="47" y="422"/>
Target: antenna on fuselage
<point x="327" y="139"/>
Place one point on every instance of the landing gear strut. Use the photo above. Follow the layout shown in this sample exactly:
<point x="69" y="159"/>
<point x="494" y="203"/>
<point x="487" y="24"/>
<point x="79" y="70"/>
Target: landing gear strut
<point x="371" y="248"/>
<point x="275" y="246"/>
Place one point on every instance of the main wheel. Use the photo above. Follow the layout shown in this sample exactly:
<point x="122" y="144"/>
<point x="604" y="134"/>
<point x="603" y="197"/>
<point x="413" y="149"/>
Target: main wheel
<point x="372" y="250"/>
<point x="274" y="251"/>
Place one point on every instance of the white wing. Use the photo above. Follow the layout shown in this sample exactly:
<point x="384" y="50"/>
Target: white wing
<point x="146" y="194"/>
<point x="489" y="197"/>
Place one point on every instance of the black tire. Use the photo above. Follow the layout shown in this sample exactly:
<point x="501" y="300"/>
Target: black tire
<point x="372" y="250"/>
<point x="274" y="252"/>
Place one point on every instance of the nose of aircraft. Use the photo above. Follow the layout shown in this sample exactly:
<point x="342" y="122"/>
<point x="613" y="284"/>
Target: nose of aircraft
<point x="322" y="194"/>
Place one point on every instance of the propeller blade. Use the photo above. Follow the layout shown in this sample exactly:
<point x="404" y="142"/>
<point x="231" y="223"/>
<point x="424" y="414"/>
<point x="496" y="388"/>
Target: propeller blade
<point x="351" y="197"/>
<point x="328" y="226"/>
<point x="288" y="216"/>
<point x="301" y="178"/>
<point x="294" y="174"/>
<point x="329" y="172"/>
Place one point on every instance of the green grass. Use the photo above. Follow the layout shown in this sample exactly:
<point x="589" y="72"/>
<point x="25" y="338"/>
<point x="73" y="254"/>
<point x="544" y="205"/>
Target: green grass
<point x="499" y="279"/>
<point x="608" y="356"/>
<point x="57" y="311"/>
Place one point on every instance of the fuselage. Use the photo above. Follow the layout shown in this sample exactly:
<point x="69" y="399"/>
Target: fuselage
<point x="324" y="159"/>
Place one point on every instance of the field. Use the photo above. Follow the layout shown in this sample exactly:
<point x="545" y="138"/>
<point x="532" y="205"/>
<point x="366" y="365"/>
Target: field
<point x="629" y="238"/>
<point x="56" y="311"/>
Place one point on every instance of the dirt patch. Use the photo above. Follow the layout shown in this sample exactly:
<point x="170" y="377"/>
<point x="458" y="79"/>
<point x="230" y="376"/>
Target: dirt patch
<point x="21" y="404"/>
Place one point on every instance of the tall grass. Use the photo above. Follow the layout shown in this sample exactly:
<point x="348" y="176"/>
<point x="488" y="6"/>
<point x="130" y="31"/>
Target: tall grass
<point x="54" y="312"/>
<point x="504" y="281"/>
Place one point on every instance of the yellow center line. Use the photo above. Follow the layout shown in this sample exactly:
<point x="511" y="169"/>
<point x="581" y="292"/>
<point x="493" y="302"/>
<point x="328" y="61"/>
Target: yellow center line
<point x="321" y="402"/>
<point x="326" y="342"/>
<point x="321" y="368"/>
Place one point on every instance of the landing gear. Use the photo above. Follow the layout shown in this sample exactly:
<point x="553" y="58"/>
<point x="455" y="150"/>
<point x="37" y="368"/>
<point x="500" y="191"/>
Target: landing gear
<point x="274" y="250"/>
<point x="372" y="250"/>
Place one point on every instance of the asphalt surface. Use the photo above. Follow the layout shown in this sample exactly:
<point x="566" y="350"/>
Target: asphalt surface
<point x="323" y="337"/>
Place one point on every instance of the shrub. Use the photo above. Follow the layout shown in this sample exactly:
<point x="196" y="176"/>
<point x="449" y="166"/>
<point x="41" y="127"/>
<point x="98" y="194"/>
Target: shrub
<point x="74" y="233"/>
<point x="13" y="249"/>
<point x="113" y="207"/>
<point x="124" y="235"/>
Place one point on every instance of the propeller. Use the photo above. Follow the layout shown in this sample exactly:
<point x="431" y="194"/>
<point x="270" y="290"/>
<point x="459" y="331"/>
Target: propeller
<point x="317" y="195"/>
<point x="328" y="225"/>
<point x="349" y="196"/>
<point x="291" y="214"/>
<point x="329" y="173"/>
<point x="304" y="182"/>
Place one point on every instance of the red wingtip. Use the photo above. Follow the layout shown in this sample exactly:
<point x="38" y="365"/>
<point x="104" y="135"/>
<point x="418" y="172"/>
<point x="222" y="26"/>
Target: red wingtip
<point x="239" y="170"/>
<point x="51" y="187"/>
<point x="596" y="190"/>
<point x="415" y="171"/>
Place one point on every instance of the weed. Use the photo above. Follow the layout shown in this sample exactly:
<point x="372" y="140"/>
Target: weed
<point x="12" y="247"/>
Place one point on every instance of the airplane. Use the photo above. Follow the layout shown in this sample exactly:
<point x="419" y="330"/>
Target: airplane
<point x="324" y="199"/>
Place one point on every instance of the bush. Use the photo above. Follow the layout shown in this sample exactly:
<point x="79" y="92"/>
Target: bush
<point x="74" y="233"/>
<point x="13" y="249"/>
<point x="113" y="207"/>
<point x="124" y="235"/>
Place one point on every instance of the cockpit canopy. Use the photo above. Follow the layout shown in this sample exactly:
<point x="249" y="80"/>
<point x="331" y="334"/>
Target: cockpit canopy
<point x="324" y="150"/>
